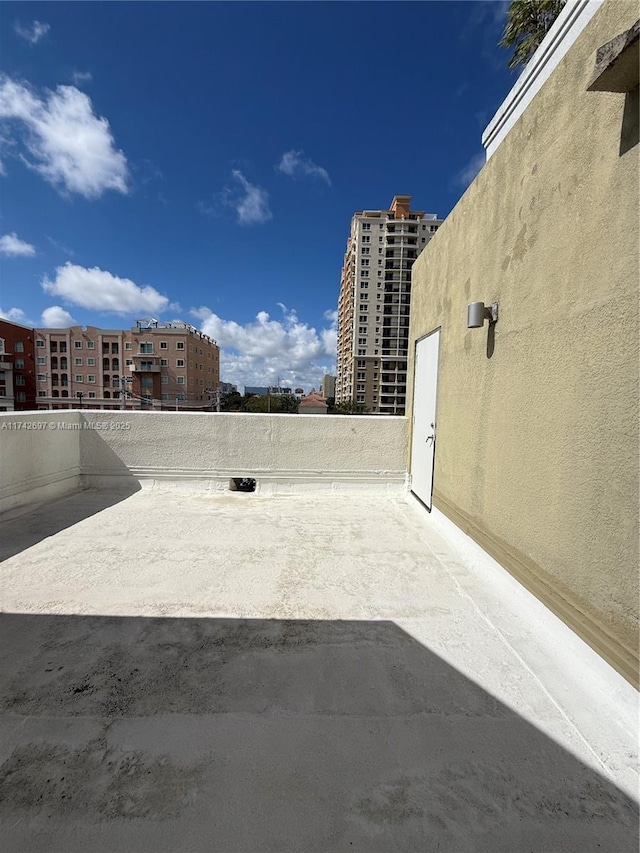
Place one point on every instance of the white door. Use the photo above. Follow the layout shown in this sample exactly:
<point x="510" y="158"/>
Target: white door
<point x="423" y="444"/>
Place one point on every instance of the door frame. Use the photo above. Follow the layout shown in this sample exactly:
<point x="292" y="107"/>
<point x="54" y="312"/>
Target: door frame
<point x="419" y="340"/>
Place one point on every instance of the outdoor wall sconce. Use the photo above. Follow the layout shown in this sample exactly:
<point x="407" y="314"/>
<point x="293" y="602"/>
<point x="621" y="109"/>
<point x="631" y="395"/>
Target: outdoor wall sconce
<point x="477" y="313"/>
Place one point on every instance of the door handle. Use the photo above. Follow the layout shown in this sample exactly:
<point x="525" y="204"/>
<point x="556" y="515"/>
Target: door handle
<point x="431" y="437"/>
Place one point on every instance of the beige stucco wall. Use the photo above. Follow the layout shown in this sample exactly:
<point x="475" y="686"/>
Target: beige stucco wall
<point x="537" y="449"/>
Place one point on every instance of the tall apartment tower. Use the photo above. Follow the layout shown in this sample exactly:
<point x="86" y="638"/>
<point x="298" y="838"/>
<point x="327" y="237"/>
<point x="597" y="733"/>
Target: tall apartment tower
<point x="374" y="303"/>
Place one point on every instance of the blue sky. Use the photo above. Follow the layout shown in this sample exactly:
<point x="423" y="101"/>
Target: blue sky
<point x="202" y="161"/>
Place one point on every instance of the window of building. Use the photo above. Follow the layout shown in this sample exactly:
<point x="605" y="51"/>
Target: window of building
<point x="39" y="343"/>
<point x="19" y="346"/>
<point x="163" y="345"/>
<point x="78" y="377"/>
<point x="42" y="377"/>
<point x="21" y="396"/>
<point x="180" y="380"/>
<point x="91" y="362"/>
<point x="424" y="239"/>
<point x="128" y="362"/>
<point x="146" y="347"/>
<point x="433" y="228"/>
<point x="115" y="348"/>
<point x="77" y="344"/>
<point x="359" y="398"/>
<point x="361" y="363"/>
<point x="91" y="378"/>
<point x="164" y="362"/>
<point x="91" y="345"/>
<point x="55" y="393"/>
<point x="179" y="397"/>
<point x="364" y="296"/>
<point x="364" y="284"/>
<point x="360" y="388"/>
<point x="180" y="362"/>
<point x="366" y="250"/>
<point x="92" y="395"/>
<point x="362" y="340"/>
<point x="19" y="380"/>
<point x="362" y="375"/>
<point x="365" y="274"/>
<point x="164" y="380"/>
<point x="78" y="362"/>
<point x="105" y="348"/>
<point x="128" y="345"/>
<point x="63" y="346"/>
<point x="164" y="396"/>
<point x="42" y="393"/>
<point x="362" y="352"/>
<point x="366" y="226"/>
<point x="147" y="383"/>
<point x="107" y="395"/>
<point x="363" y="318"/>
<point x="53" y="346"/>
<point x="19" y="364"/>
<point x="366" y="239"/>
<point x="180" y="345"/>
<point x="365" y="262"/>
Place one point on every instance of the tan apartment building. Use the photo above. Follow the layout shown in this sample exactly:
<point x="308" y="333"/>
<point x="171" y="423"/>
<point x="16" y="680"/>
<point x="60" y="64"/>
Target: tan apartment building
<point x="166" y="365"/>
<point x="374" y="303"/>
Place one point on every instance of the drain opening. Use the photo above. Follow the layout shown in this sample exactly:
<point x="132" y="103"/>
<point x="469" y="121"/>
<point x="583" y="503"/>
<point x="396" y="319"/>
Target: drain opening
<point x="242" y="484"/>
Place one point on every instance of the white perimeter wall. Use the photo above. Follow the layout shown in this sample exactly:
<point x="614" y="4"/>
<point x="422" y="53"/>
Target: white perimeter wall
<point x="39" y="457"/>
<point x="198" y="450"/>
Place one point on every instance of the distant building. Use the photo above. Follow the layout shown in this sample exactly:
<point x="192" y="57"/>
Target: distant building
<point x="258" y="390"/>
<point x="328" y="386"/>
<point x="313" y="404"/>
<point x="373" y="309"/>
<point x="17" y="378"/>
<point x="166" y="365"/>
<point x="227" y="388"/>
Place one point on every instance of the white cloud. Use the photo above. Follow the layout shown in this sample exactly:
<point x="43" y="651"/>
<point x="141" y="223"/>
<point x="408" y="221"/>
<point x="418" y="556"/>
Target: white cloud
<point x="253" y="206"/>
<point x="67" y="144"/>
<point x="266" y="350"/>
<point x="32" y="32"/>
<point x="12" y="246"/>
<point x="56" y="317"/>
<point x="296" y="165"/>
<point x="467" y="174"/>
<point x="15" y="315"/>
<point x="80" y="77"/>
<point x="99" y="290"/>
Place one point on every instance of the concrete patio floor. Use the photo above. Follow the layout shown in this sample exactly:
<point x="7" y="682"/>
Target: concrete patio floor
<point x="319" y="671"/>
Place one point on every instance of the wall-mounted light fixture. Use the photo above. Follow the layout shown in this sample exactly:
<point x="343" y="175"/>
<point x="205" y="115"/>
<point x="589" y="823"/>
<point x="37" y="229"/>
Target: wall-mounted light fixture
<point x="477" y="313"/>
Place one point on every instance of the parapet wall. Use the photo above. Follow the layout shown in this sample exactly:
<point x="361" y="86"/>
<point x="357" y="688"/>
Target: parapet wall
<point x="44" y="454"/>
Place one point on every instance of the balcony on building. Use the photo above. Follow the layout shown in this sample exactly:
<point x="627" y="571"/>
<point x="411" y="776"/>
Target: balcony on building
<point x="145" y="363"/>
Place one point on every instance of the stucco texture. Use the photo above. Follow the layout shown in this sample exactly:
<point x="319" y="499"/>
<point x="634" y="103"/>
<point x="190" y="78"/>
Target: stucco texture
<point x="537" y="449"/>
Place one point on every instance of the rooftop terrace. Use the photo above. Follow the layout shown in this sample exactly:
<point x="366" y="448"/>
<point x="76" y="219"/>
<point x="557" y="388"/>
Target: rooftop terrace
<point x="317" y="666"/>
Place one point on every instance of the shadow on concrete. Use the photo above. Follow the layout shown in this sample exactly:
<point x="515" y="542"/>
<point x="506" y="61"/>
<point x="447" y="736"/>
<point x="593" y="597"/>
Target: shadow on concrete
<point x="143" y="734"/>
<point x="23" y="527"/>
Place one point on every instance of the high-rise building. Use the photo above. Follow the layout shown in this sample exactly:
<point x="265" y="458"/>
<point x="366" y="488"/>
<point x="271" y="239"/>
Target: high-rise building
<point x="169" y="365"/>
<point x="373" y="308"/>
<point x="328" y="386"/>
